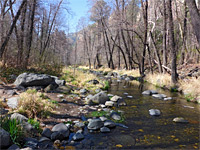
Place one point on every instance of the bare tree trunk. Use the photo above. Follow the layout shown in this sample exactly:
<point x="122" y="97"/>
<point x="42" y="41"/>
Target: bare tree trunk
<point x="5" y="42"/>
<point x="174" y="75"/>
<point x="195" y="18"/>
<point x="164" y="36"/>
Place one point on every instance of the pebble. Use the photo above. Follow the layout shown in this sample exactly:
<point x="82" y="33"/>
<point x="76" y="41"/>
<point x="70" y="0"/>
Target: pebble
<point x="129" y="96"/>
<point x="125" y="93"/>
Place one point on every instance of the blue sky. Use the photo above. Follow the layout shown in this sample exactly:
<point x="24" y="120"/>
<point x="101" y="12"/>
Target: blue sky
<point x="80" y="9"/>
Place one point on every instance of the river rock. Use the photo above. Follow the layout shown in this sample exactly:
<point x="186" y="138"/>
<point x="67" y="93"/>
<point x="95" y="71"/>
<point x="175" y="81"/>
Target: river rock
<point x="105" y="130"/>
<point x="78" y="136"/>
<point x="115" y="116"/>
<point x="100" y="98"/>
<point x="83" y="91"/>
<point x="116" y="98"/>
<point x="5" y="138"/>
<point x="180" y="120"/>
<point x="93" y="82"/>
<point x="13" y="102"/>
<point x="129" y="96"/>
<point x="46" y="133"/>
<point x="154" y="112"/>
<point x="62" y="129"/>
<point x="31" y="79"/>
<point x="109" y="103"/>
<point x="109" y="124"/>
<point x="159" y="96"/>
<point x="95" y="124"/>
<point x="19" y="117"/>
<point x="31" y="142"/>
<point x="167" y="98"/>
<point x="80" y="124"/>
<point x="14" y="147"/>
<point x="103" y="118"/>
<point x="110" y="95"/>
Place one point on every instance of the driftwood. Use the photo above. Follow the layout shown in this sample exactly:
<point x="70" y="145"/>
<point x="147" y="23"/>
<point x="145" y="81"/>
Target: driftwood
<point x="167" y="68"/>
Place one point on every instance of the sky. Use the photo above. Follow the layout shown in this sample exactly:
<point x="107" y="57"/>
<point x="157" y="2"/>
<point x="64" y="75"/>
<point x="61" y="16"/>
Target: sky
<point x="79" y="9"/>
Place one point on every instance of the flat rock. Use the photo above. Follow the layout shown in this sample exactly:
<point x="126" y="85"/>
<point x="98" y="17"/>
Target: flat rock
<point x="109" y="124"/>
<point x="80" y="124"/>
<point x="129" y="96"/>
<point x="103" y="118"/>
<point x="115" y="116"/>
<point x="154" y="112"/>
<point x="62" y="129"/>
<point x="19" y="117"/>
<point x="100" y="98"/>
<point x="168" y="98"/>
<point x="105" y="130"/>
<point x="32" y="79"/>
<point x="78" y="136"/>
<point x="109" y="103"/>
<point x="13" y="102"/>
<point x="159" y="96"/>
<point x="95" y="124"/>
<point x="180" y="120"/>
<point x="116" y="98"/>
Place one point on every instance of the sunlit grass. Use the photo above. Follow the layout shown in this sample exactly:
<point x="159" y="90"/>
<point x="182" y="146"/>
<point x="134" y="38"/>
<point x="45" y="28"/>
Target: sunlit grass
<point x="160" y="80"/>
<point x="134" y="72"/>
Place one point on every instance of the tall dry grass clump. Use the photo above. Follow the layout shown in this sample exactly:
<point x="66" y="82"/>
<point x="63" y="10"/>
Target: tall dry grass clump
<point x="32" y="104"/>
<point x="191" y="87"/>
<point x="161" y="80"/>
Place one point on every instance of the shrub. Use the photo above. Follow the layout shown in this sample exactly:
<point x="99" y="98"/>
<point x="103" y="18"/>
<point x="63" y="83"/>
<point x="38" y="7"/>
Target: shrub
<point x="14" y="128"/>
<point x="35" y="124"/>
<point x="33" y="105"/>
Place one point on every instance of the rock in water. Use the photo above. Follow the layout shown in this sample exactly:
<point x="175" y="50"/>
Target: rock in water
<point x="109" y="103"/>
<point x="78" y="136"/>
<point x="180" y="120"/>
<point x="62" y="129"/>
<point x="100" y="98"/>
<point x="95" y="124"/>
<point x="109" y="124"/>
<point x="105" y="130"/>
<point x="115" y="116"/>
<point x="46" y="133"/>
<point x="154" y="112"/>
<point x="116" y="98"/>
<point x="31" y="79"/>
<point x="159" y="96"/>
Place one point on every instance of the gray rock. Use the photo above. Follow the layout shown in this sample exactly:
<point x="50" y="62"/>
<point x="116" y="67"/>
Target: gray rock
<point x="159" y="96"/>
<point x="154" y="92"/>
<point x="167" y="98"/>
<point x="29" y="128"/>
<point x="78" y="136"/>
<point x="115" y="116"/>
<point x="80" y="124"/>
<point x="62" y="129"/>
<point x="129" y="96"/>
<point x="19" y="117"/>
<point x="51" y="88"/>
<point x="10" y="92"/>
<point x="31" y="79"/>
<point x="100" y="98"/>
<point x="121" y="102"/>
<point x="109" y="103"/>
<point x="46" y="133"/>
<point x="121" y="125"/>
<point x="105" y="130"/>
<point x="103" y="118"/>
<point x="5" y="138"/>
<point x="154" y="112"/>
<point x="60" y="82"/>
<point x="27" y="148"/>
<point x="13" y="102"/>
<point x="180" y="120"/>
<point x="116" y="98"/>
<point x="109" y="124"/>
<point x="147" y="92"/>
<point x="93" y="82"/>
<point x="95" y="124"/>
<point x="43" y="139"/>
<point x="31" y="142"/>
<point x="13" y="147"/>
<point x="83" y="91"/>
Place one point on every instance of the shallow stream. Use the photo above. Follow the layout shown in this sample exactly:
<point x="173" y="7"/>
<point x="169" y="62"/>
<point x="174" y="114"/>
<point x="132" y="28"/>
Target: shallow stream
<point x="145" y="131"/>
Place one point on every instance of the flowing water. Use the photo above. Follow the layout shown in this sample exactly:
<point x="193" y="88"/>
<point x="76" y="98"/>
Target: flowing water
<point x="145" y="131"/>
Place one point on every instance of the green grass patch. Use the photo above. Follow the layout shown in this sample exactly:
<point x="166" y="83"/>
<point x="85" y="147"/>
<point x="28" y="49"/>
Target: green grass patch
<point x="106" y="85"/>
<point x="35" y="124"/>
<point x="14" y="128"/>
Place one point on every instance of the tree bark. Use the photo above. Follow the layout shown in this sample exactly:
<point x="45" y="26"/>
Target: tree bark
<point x="174" y="75"/>
<point x="6" y="40"/>
<point x="195" y="18"/>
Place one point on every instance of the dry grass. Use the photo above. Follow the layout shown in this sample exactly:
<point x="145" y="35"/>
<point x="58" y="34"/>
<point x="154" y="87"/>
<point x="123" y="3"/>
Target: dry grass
<point x="161" y="80"/>
<point x="33" y="104"/>
<point x="191" y="86"/>
<point x="134" y="73"/>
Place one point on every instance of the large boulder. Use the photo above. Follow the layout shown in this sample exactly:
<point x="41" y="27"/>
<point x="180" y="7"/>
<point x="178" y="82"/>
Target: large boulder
<point x="5" y="140"/>
<point x="32" y="79"/>
<point x="100" y="98"/>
